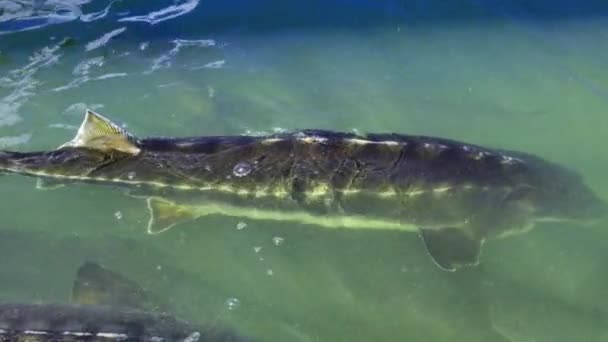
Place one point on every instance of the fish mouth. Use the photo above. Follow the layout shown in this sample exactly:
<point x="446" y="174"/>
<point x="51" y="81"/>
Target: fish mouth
<point x="593" y="214"/>
<point x="599" y="212"/>
<point x="595" y="210"/>
<point x="591" y="210"/>
<point x="590" y="215"/>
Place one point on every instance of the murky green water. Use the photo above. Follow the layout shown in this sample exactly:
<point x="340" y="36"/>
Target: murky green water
<point x="536" y="86"/>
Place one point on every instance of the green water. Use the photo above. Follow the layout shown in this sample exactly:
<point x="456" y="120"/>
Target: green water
<point x="536" y="87"/>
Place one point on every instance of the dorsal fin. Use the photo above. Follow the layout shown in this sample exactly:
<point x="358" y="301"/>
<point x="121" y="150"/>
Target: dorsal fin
<point x="96" y="285"/>
<point x="99" y="133"/>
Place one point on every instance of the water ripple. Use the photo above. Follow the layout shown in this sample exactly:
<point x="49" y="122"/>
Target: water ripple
<point x="110" y="75"/>
<point x="96" y="15"/>
<point x="165" y="60"/>
<point x="80" y="107"/>
<point x="22" y="83"/>
<point x="64" y="126"/>
<point x="103" y="40"/>
<point x="10" y="141"/>
<point x="179" y="8"/>
<point x="211" y="65"/>
<point x="28" y="15"/>
<point x="23" y="15"/>
<point x="82" y="70"/>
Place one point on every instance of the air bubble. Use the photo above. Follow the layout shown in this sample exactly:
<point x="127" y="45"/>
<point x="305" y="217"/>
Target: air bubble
<point x="242" y="169"/>
<point x="233" y="303"/>
<point x="277" y="240"/>
<point x="118" y="215"/>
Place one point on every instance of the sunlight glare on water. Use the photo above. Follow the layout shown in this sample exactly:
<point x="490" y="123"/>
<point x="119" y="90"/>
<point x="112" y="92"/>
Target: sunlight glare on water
<point x="502" y="74"/>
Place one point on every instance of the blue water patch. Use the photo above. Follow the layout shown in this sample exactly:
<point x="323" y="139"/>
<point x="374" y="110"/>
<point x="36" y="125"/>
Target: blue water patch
<point x="197" y="16"/>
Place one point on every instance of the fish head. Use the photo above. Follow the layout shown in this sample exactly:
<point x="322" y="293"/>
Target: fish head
<point x="560" y="194"/>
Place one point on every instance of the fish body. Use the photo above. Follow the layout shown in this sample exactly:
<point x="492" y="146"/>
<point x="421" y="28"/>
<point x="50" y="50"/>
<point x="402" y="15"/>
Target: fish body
<point x="105" y="307"/>
<point x="72" y="322"/>
<point x="454" y="194"/>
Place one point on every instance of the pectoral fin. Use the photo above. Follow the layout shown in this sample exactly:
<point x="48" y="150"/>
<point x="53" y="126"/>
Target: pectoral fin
<point x="96" y="285"/>
<point x="99" y="133"/>
<point x="165" y="214"/>
<point x="451" y="248"/>
<point x="48" y="184"/>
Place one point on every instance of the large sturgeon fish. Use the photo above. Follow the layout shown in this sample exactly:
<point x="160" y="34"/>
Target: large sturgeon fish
<point x="104" y="307"/>
<point x="455" y="195"/>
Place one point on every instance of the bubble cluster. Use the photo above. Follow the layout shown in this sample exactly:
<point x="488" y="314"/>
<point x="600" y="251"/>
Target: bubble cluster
<point x="277" y="240"/>
<point x="232" y="303"/>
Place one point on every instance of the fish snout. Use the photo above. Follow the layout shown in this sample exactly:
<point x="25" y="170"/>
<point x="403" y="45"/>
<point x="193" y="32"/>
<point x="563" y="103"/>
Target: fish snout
<point x="594" y="213"/>
<point x="599" y="211"/>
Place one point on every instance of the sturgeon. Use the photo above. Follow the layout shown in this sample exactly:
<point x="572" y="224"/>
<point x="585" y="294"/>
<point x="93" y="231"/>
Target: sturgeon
<point x="455" y="195"/>
<point x="105" y="307"/>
